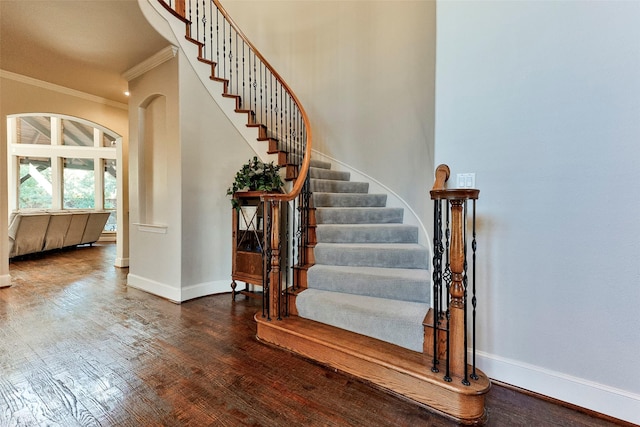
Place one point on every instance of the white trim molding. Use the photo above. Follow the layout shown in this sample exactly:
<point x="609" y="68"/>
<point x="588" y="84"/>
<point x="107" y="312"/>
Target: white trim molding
<point x="150" y="63"/>
<point x="5" y="281"/>
<point x="597" y="397"/>
<point x="178" y="295"/>
<point x="61" y="89"/>
<point x="206" y="288"/>
<point x="156" y="288"/>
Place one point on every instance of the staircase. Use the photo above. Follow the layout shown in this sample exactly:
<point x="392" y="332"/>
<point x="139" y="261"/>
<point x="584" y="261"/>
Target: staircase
<point x="370" y="274"/>
<point x="358" y="300"/>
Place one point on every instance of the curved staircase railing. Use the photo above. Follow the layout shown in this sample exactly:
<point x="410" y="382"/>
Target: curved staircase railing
<point x="272" y="107"/>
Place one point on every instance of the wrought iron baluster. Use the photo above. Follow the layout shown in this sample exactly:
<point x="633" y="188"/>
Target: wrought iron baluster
<point x="204" y="29"/>
<point x="465" y="380"/>
<point x="266" y="261"/>
<point x="447" y="280"/>
<point x="474" y="374"/>
<point x="437" y="277"/>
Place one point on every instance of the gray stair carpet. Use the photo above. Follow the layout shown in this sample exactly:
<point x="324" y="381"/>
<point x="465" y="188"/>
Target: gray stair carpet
<point x="371" y="275"/>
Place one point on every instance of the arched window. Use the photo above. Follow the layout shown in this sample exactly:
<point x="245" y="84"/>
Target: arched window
<point x="62" y="162"/>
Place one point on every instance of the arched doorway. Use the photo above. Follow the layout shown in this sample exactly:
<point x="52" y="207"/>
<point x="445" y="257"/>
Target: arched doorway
<point x="60" y="162"/>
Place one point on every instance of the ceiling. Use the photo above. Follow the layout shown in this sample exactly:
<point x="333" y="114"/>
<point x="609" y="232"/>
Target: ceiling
<point x="80" y="44"/>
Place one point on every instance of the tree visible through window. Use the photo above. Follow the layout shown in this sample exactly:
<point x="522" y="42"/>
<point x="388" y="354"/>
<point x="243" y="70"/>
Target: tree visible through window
<point x="61" y="162"/>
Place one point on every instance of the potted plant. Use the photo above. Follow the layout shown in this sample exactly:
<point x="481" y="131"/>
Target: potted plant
<point x="255" y="175"/>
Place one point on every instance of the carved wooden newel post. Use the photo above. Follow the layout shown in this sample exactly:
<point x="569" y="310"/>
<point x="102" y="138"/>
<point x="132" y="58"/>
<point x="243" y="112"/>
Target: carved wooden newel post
<point x="452" y="276"/>
<point x="456" y="291"/>
<point x="275" y="285"/>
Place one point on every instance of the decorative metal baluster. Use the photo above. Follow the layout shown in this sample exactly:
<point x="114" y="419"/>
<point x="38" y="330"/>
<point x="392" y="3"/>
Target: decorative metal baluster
<point x="447" y="280"/>
<point x="437" y="277"/>
<point x="474" y="374"/>
<point x="210" y="57"/>
<point x="217" y="61"/>
<point x="255" y="89"/>
<point x="237" y="67"/>
<point x="197" y="21"/>
<point x="465" y="380"/>
<point x="270" y="118"/>
<point x="231" y="79"/>
<point x="244" y="75"/>
<point x="204" y="29"/>
<point x="224" y="48"/>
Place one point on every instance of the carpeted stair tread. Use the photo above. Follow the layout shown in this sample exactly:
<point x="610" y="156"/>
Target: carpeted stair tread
<point x="405" y="284"/>
<point x="394" y="255"/>
<point x="333" y="186"/>
<point x="350" y="200"/>
<point x="374" y="215"/>
<point x="322" y="173"/>
<point x="397" y="322"/>
<point x="366" y="233"/>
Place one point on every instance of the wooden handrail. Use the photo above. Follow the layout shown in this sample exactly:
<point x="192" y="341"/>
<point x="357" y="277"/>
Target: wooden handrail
<point x="179" y="10"/>
<point x="306" y="161"/>
<point x="183" y="10"/>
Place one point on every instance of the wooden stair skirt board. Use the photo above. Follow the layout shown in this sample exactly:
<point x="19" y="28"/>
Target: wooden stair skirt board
<point x="402" y="372"/>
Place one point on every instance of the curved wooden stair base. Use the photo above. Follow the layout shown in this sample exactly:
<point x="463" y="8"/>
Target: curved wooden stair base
<point x="399" y="371"/>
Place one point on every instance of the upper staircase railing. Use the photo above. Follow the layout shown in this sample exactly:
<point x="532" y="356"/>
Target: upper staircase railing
<point x="273" y="108"/>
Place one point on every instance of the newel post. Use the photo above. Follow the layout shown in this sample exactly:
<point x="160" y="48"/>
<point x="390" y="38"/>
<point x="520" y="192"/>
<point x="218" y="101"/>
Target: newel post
<point x="453" y="275"/>
<point x="456" y="291"/>
<point x="275" y="290"/>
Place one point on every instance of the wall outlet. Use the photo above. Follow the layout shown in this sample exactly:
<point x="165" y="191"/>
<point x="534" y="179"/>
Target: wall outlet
<point x="466" y="180"/>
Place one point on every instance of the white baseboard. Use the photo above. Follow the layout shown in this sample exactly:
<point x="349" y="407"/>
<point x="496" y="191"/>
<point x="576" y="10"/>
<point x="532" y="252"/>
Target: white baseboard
<point x="121" y="262"/>
<point x="156" y="288"/>
<point x="597" y="397"/>
<point x="5" y="280"/>
<point x="178" y="295"/>
<point x="207" y="288"/>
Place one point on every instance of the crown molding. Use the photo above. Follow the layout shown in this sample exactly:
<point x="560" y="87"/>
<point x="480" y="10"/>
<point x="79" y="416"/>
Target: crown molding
<point x="150" y="63"/>
<point x="61" y="89"/>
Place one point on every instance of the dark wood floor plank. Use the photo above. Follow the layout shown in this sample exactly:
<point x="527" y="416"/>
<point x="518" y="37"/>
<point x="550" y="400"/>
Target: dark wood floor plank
<point x="80" y="348"/>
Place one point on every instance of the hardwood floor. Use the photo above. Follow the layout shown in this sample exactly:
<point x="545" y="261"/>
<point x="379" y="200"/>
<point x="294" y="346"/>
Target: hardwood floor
<point x="80" y="348"/>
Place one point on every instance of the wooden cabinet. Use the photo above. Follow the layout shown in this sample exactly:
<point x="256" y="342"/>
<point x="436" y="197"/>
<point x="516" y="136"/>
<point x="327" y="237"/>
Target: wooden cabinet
<point x="248" y="244"/>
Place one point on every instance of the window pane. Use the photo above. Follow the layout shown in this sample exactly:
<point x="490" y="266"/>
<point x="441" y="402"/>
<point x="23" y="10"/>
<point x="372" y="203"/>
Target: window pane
<point x="110" y="193"/>
<point x="79" y="181"/>
<point x="108" y="141"/>
<point x="76" y="133"/>
<point x="112" y="222"/>
<point x="34" y="130"/>
<point x="110" y="184"/>
<point x="35" y="183"/>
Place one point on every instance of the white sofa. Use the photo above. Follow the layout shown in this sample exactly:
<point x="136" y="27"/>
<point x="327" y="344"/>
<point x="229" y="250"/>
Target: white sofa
<point x="36" y="231"/>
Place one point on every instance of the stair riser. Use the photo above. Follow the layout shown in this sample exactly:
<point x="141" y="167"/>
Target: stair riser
<point x="328" y="233"/>
<point x="372" y="257"/>
<point x="349" y="200"/>
<point x="321" y="173"/>
<point x="359" y="216"/>
<point x="396" y="322"/>
<point x="331" y="186"/>
<point x="362" y="284"/>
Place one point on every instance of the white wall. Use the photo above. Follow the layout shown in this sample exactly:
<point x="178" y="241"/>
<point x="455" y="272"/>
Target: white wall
<point x="155" y="260"/>
<point x="186" y="254"/>
<point x="542" y="101"/>
<point x="364" y="71"/>
<point x="212" y="152"/>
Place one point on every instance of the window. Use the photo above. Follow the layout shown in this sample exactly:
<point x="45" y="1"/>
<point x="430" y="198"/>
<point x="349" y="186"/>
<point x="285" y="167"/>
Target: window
<point x="35" y="187"/>
<point x="62" y="162"/>
<point x="79" y="184"/>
